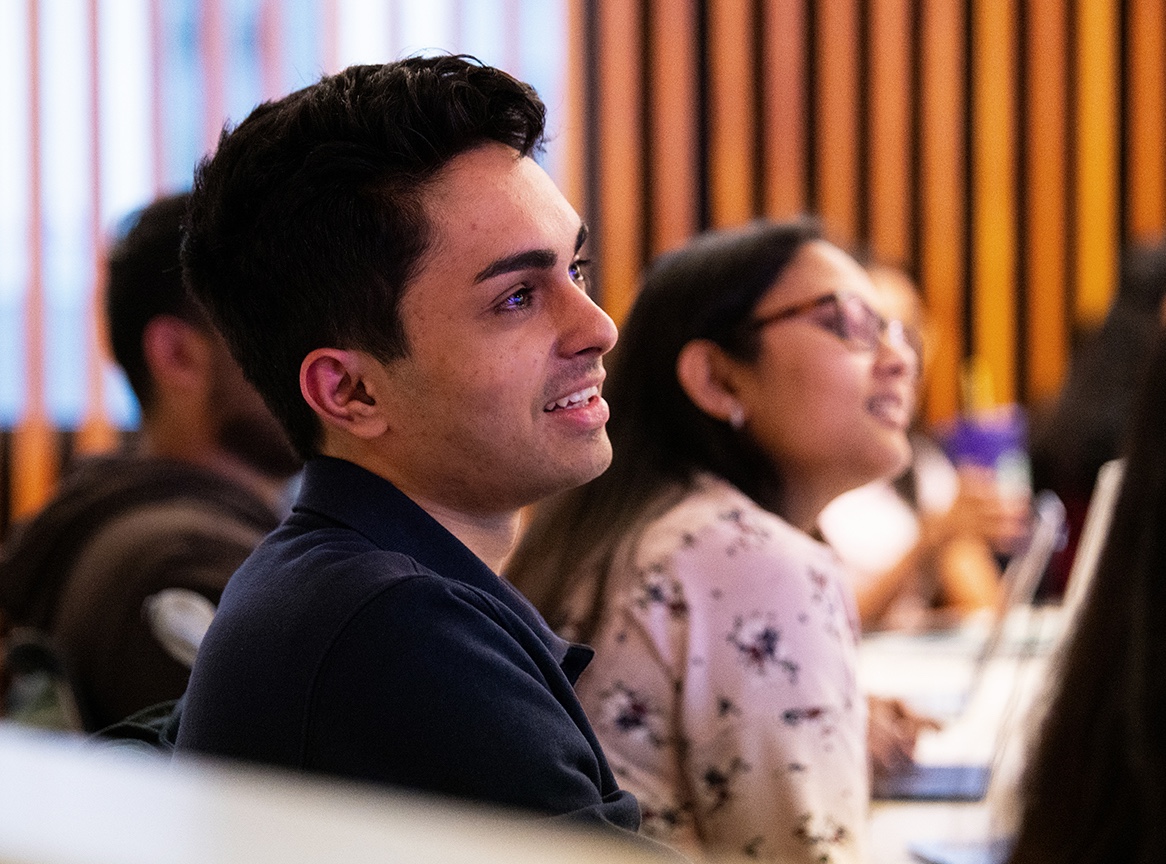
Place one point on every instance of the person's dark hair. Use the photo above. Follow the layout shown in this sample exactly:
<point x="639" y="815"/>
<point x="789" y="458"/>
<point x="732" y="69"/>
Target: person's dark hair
<point x="1095" y="786"/>
<point x="308" y="222"/>
<point x="660" y="439"/>
<point x="1085" y="427"/>
<point x="145" y="281"/>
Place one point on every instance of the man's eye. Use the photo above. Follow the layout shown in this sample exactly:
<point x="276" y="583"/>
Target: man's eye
<point x="578" y="271"/>
<point x="520" y="299"/>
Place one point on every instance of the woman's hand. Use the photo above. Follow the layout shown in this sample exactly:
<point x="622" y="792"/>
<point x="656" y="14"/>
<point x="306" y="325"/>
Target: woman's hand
<point x="981" y="511"/>
<point x="892" y="729"/>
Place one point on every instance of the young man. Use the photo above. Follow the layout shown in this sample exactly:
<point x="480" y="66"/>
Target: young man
<point x="403" y="284"/>
<point x="136" y="547"/>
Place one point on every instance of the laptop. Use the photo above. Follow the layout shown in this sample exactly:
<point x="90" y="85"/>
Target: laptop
<point x="969" y="781"/>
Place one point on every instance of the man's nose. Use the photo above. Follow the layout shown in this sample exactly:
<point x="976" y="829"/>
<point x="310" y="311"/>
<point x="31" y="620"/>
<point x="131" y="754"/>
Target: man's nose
<point x="586" y="328"/>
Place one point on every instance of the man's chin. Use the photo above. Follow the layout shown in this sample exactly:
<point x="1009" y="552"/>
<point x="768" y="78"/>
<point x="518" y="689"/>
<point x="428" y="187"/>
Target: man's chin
<point x="586" y="470"/>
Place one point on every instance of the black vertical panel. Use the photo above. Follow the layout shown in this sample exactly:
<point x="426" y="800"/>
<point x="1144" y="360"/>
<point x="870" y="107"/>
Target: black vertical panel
<point x="5" y="482"/>
<point x="703" y="136"/>
<point x="916" y="143"/>
<point x="760" y="106"/>
<point x="592" y="135"/>
<point x="862" y="220"/>
<point x="811" y="130"/>
<point x="647" y="123"/>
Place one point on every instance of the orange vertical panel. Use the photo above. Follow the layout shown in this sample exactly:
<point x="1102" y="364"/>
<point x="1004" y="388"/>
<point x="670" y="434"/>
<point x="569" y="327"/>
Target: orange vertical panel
<point x="96" y="434"/>
<point x="620" y="150"/>
<point x="674" y="124"/>
<point x="836" y="114"/>
<point x="212" y="48"/>
<point x="1146" y="107"/>
<point x="1046" y="134"/>
<point x="941" y="262"/>
<point x="34" y="456"/>
<point x="573" y="180"/>
<point x="785" y="108"/>
<point x="890" y="128"/>
<point x="1097" y="155"/>
<point x="994" y="193"/>
<point x="733" y="116"/>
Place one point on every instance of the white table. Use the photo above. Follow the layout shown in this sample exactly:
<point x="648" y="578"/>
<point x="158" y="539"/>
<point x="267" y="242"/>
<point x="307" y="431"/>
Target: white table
<point x="933" y="673"/>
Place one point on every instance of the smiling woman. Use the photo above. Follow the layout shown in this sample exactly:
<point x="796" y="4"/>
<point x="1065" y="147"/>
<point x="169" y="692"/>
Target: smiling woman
<point x="753" y="382"/>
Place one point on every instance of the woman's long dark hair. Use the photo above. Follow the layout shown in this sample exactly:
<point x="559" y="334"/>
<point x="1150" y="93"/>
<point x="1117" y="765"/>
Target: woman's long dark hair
<point x="1095" y="787"/>
<point x="661" y="440"/>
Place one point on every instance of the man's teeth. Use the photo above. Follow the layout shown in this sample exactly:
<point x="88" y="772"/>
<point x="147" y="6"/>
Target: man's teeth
<point x="573" y="400"/>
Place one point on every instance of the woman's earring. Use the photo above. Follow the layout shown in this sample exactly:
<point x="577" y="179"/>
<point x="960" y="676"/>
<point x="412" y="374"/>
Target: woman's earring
<point x="737" y="416"/>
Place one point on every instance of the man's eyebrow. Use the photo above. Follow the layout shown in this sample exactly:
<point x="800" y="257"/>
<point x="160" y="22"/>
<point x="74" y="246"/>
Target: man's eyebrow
<point x="532" y="259"/>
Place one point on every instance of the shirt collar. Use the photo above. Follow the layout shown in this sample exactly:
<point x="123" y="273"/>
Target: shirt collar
<point x="344" y="492"/>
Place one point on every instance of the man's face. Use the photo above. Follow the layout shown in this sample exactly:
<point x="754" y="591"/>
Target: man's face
<point x="497" y="403"/>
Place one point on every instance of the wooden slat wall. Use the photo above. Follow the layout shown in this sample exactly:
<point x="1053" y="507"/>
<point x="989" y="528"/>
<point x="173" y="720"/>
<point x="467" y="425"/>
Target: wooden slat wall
<point x="732" y="112"/>
<point x="784" y="117"/>
<point x="1046" y="195"/>
<point x="672" y="168"/>
<point x="835" y="92"/>
<point x="1146" y="118"/>
<point x="1003" y="151"/>
<point x="993" y="193"/>
<point x="888" y="208"/>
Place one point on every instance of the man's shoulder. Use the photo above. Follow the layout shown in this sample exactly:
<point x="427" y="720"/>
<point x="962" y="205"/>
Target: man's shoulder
<point x="319" y="566"/>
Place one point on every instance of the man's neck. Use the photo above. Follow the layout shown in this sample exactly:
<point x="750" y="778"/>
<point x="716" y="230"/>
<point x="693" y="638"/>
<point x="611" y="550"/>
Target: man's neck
<point x="490" y="537"/>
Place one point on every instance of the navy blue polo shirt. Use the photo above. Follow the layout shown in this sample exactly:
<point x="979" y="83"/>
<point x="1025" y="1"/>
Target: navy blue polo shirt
<point x="362" y="639"/>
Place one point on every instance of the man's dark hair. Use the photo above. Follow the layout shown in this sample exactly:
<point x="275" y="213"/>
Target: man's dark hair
<point x="308" y="222"/>
<point x="145" y="281"/>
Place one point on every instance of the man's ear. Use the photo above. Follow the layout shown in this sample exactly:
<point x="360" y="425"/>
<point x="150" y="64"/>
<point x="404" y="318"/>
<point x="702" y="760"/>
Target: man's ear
<point x="177" y="355"/>
<point x="341" y="387"/>
<point x="705" y="374"/>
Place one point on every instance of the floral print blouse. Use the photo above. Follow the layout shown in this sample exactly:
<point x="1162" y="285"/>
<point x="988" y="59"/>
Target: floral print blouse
<point x="724" y="690"/>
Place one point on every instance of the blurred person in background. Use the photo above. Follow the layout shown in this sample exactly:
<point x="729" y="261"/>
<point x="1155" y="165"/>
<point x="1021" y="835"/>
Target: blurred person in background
<point x="1085" y="426"/>
<point x="120" y="573"/>
<point x="923" y="546"/>
<point x="1094" y="787"/>
<point x="754" y="382"/>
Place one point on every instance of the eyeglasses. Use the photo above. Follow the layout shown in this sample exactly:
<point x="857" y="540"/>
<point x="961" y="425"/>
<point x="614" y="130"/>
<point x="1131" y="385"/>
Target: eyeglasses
<point x="852" y="320"/>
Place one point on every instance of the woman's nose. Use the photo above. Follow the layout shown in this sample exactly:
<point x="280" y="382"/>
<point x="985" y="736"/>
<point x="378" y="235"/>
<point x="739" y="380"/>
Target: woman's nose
<point x="897" y="349"/>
